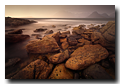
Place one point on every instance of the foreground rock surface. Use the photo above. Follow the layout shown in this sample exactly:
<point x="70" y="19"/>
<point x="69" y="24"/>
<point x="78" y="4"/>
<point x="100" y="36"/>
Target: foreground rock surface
<point x="60" y="72"/>
<point x="96" y="72"/>
<point x="46" y="45"/>
<point x="41" y="67"/>
<point x="14" y="38"/>
<point x="85" y="56"/>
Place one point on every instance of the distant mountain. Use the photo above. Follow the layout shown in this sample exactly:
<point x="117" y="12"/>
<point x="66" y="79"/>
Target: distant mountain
<point x="112" y="15"/>
<point x="105" y="15"/>
<point x="95" y="15"/>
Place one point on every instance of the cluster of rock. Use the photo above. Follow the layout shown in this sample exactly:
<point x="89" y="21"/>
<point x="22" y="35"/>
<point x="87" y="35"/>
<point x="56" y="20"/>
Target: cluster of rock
<point x="16" y="21"/>
<point x="81" y="55"/>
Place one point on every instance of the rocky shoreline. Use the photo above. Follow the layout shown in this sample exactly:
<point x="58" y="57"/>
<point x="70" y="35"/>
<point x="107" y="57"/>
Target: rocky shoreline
<point x="86" y="54"/>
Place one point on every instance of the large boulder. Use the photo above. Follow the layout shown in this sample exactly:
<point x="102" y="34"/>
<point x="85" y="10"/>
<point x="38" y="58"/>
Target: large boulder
<point x="46" y="45"/>
<point x="106" y="36"/>
<point x="61" y="72"/>
<point x="108" y="33"/>
<point x="96" y="72"/>
<point x="35" y="70"/>
<point x="14" y="38"/>
<point x="85" y="56"/>
<point x="59" y="58"/>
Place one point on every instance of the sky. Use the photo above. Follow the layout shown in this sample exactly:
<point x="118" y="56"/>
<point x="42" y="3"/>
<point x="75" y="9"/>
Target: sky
<point x="56" y="11"/>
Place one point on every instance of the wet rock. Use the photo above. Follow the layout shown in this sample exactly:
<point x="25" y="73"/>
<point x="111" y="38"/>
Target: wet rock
<point x="75" y="36"/>
<point x="66" y="32"/>
<point x="61" y="72"/>
<point x="14" y="38"/>
<point x="86" y="36"/>
<point x="59" y="58"/>
<point x="64" y="45"/>
<point x="85" y="56"/>
<point x="96" y="72"/>
<point x="12" y="61"/>
<point x="18" y="31"/>
<point x="35" y="70"/>
<point x="49" y="32"/>
<point x="72" y="41"/>
<point x="46" y="45"/>
<point x="39" y="30"/>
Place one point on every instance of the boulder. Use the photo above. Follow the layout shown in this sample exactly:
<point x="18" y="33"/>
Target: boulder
<point x="12" y="61"/>
<point x="85" y="56"/>
<point x="59" y="58"/>
<point x="72" y="41"/>
<point x="49" y="32"/>
<point x="37" y="69"/>
<point x="39" y="30"/>
<point x="107" y="36"/>
<point x="14" y="38"/>
<point x="18" y="31"/>
<point x="64" y="45"/>
<point x="96" y="72"/>
<point x="46" y="45"/>
<point x="61" y="72"/>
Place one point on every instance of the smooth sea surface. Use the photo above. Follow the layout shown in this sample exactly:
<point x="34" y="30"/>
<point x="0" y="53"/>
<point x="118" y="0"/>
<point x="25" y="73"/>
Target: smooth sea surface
<point x="18" y="49"/>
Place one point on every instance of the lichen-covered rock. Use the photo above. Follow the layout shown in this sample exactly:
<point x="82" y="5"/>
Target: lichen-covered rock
<point x="46" y="45"/>
<point x="59" y="58"/>
<point x="96" y="72"/>
<point x="61" y="72"/>
<point x="35" y="70"/>
<point x="85" y="56"/>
